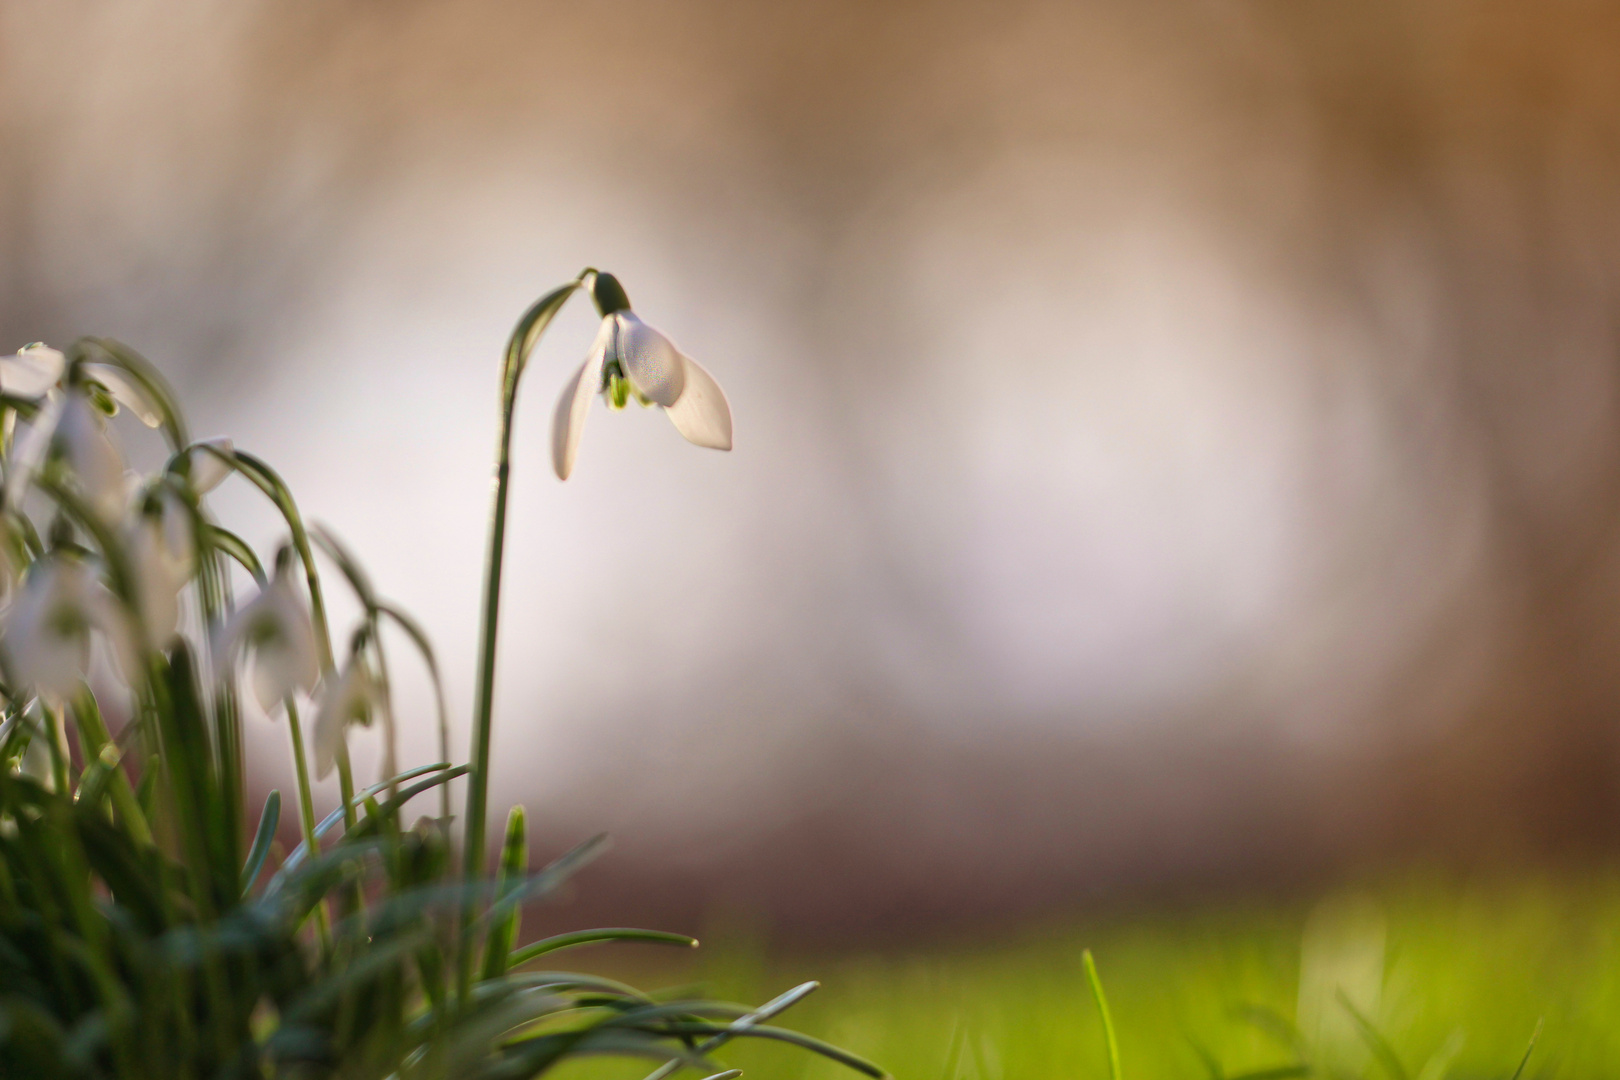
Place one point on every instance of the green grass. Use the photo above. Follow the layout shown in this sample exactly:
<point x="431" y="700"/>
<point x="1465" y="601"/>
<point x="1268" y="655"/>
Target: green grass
<point x="1465" y="975"/>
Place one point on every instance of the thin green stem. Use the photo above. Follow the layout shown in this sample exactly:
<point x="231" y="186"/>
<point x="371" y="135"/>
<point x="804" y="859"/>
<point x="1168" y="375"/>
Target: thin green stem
<point x="524" y="337"/>
<point x="390" y="734"/>
<point x="478" y="779"/>
<point x="56" y="732"/>
<point x="306" y="814"/>
<point x="211" y="595"/>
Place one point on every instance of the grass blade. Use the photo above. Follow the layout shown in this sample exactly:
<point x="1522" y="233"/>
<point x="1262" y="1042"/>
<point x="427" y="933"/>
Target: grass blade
<point x="1102" y="1009"/>
<point x="1534" y="1035"/>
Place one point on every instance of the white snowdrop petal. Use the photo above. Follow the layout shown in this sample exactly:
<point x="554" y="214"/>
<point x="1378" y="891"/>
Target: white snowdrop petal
<point x="350" y="698"/>
<point x="120" y="637"/>
<point x="95" y="459"/>
<point x="271" y="684"/>
<point x="327" y="735"/>
<point x="702" y="413"/>
<point x="47" y="631"/>
<point x="159" y="577"/>
<point x="276" y="628"/>
<point x="126" y="392"/>
<point x="177" y="540"/>
<point x="210" y="463"/>
<point x="650" y="360"/>
<point x="297" y="637"/>
<point x="29" y="452"/>
<point x="575" y="405"/>
<point x="32" y="371"/>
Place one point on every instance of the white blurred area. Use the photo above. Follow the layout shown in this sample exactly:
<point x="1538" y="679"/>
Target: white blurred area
<point x="1171" y="442"/>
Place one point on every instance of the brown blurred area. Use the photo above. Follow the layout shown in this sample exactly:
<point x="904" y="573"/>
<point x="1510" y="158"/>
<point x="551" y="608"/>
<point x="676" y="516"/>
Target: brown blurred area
<point x="1179" y="443"/>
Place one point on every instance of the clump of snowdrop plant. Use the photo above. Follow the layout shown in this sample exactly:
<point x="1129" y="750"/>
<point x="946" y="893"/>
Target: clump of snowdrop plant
<point x="149" y="926"/>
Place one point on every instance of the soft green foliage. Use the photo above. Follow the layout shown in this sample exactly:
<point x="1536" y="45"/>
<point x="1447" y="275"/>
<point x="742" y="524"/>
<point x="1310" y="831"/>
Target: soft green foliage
<point x="1468" y="972"/>
<point x="147" y="927"/>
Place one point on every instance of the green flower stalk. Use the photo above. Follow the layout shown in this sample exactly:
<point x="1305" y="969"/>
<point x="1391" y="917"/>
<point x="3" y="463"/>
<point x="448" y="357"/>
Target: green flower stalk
<point x="628" y="356"/>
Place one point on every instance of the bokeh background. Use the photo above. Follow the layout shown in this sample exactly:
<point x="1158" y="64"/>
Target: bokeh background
<point x="1178" y="443"/>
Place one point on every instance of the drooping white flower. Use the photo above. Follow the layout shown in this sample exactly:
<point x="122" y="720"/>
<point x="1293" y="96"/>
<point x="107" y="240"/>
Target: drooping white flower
<point x="31" y="370"/>
<point x="160" y="546"/>
<point x="629" y="357"/>
<point x="48" y="629"/>
<point x="124" y="391"/>
<point x="274" y="629"/>
<point x="354" y="697"/>
<point x="70" y="427"/>
<point x="210" y="462"/>
<point x="88" y="448"/>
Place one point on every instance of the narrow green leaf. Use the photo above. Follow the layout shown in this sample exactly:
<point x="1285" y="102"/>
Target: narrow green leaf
<point x="777" y="1005"/>
<point x="332" y="820"/>
<point x="795" y="1038"/>
<point x="268" y="820"/>
<point x="513" y="866"/>
<point x="591" y="937"/>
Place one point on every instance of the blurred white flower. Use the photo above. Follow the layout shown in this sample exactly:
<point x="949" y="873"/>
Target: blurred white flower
<point x="353" y="698"/>
<point x="210" y="462"/>
<point x="31" y="370"/>
<point x="71" y="427"/>
<point x="275" y="630"/>
<point x="35" y="369"/>
<point x="97" y="464"/>
<point x="630" y="357"/>
<point x="159" y="542"/>
<point x="124" y="391"/>
<point x="48" y="628"/>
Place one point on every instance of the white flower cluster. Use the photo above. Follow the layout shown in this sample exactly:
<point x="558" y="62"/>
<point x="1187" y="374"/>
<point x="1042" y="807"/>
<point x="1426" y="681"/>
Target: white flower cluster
<point x="62" y="602"/>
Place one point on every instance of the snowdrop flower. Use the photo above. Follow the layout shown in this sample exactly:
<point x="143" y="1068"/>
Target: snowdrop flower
<point x="72" y="425"/>
<point x="122" y="390"/>
<point x="159" y="542"/>
<point x="209" y="462"/>
<point x="71" y="428"/>
<point x="275" y="629"/>
<point x="48" y="629"/>
<point x="84" y="443"/>
<point x="631" y="358"/>
<point x="353" y="698"/>
<point x="31" y="370"/>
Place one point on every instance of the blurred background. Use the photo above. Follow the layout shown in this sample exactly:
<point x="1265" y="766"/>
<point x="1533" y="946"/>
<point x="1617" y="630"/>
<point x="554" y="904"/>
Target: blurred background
<point x="1178" y="444"/>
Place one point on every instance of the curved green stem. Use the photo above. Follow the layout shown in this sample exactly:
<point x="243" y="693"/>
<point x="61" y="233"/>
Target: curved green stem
<point x="524" y="337"/>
